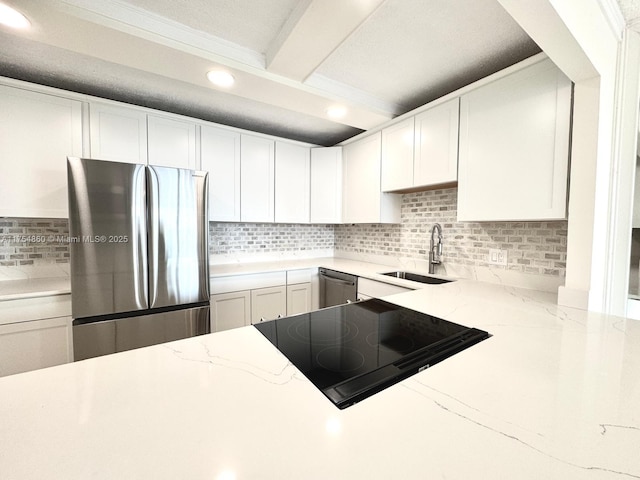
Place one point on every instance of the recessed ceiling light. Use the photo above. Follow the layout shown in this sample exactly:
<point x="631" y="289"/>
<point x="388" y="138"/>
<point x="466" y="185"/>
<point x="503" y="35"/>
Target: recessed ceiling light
<point x="336" y="111"/>
<point x="12" y="18"/>
<point x="221" y="78"/>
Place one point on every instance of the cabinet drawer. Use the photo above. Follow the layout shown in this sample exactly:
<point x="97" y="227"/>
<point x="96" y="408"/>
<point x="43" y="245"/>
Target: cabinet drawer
<point x="304" y="275"/>
<point x="28" y="309"/>
<point x="235" y="283"/>
<point x="37" y="344"/>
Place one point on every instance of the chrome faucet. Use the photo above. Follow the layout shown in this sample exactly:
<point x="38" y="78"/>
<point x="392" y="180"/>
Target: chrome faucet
<point x="435" y="248"/>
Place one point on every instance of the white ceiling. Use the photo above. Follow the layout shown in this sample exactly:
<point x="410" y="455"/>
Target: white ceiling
<point x="292" y="59"/>
<point x="630" y="9"/>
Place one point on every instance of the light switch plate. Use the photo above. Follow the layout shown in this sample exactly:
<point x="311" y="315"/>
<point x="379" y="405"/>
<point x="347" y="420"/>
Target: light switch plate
<point x="497" y="256"/>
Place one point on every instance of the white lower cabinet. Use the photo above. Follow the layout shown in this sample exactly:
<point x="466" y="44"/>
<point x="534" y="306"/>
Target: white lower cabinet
<point x="268" y="303"/>
<point x="230" y="310"/>
<point x="299" y="298"/>
<point x="240" y="300"/>
<point x="35" y="344"/>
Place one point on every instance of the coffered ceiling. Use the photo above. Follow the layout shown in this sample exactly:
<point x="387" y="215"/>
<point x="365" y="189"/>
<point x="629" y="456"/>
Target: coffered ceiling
<point x="292" y="59"/>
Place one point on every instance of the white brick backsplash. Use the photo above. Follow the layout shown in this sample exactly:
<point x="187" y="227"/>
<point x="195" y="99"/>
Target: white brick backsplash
<point x="33" y="241"/>
<point x="532" y="247"/>
<point x="251" y="238"/>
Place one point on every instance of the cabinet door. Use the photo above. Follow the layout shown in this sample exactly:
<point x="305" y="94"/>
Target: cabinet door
<point x="268" y="303"/>
<point x="172" y="143"/>
<point x="436" y="147"/>
<point x="118" y="134"/>
<point x="298" y="298"/>
<point x="220" y="156"/>
<point x="326" y="185"/>
<point x="514" y="147"/>
<point x="292" y="183"/>
<point x="38" y="133"/>
<point x="362" y="200"/>
<point x="256" y="179"/>
<point x="230" y="310"/>
<point x="36" y="344"/>
<point x="397" y="156"/>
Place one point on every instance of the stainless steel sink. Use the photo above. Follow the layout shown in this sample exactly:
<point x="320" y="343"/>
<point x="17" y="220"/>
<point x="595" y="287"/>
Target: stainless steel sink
<point x="415" y="277"/>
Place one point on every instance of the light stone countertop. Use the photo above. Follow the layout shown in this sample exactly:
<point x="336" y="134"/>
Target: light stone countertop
<point x="34" y="288"/>
<point x="18" y="288"/>
<point x="354" y="267"/>
<point x="553" y="394"/>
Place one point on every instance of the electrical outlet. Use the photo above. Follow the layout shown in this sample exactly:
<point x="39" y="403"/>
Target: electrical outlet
<point x="497" y="256"/>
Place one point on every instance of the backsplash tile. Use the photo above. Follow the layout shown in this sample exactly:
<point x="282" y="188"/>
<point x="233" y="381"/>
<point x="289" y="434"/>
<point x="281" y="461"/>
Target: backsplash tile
<point x="538" y="248"/>
<point x="532" y="247"/>
<point x="258" y="238"/>
<point x="33" y="241"/>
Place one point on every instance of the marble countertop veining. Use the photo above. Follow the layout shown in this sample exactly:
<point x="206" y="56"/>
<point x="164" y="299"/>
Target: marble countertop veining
<point x="553" y="394"/>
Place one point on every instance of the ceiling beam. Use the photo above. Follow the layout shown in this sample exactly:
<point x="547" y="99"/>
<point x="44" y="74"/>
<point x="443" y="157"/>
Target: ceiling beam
<point x="312" y="33"/>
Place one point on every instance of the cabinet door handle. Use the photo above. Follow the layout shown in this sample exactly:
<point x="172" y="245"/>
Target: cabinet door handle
<point x="262" y="319"/>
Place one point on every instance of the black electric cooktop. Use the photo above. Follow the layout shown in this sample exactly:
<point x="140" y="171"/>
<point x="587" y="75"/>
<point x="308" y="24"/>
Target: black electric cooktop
<point x="353" y="351"/>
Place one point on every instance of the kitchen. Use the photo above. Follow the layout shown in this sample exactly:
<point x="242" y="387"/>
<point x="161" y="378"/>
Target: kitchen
<point x="363" y="251"/>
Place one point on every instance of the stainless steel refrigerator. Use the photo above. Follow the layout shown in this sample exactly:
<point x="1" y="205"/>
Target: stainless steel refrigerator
<point x="139" y="255"/>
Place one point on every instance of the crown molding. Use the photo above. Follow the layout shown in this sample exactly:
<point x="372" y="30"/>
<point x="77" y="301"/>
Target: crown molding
<point x="614" y="17"/>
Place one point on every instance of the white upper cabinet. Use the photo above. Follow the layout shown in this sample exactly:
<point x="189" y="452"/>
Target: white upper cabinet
<point x="118" y="133"/>
<point x="257" y="177"/>
<point x="220" y="156"/>
<point x="326" y="185"/>
<point x="172" y="142"/>
<point x="292" y="183"/>
<point x="37" y="134"/>
<point x="397" y="155"/>
<point x="436" y="145"/>
<point x="363" y="201"/>
<point x="421" y="151"/>
<point x="514" y="147"/>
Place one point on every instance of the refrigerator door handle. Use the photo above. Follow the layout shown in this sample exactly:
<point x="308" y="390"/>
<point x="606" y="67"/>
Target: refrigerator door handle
<point x="153" y="233"/>
<point x="201" y="180"/>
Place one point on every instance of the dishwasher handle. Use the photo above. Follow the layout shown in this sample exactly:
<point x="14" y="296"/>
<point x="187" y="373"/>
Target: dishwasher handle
<point x="337" y="280"/>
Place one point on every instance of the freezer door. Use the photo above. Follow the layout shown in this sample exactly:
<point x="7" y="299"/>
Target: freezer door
<point x="108" y="237"/>
<point x="178" y="236"/>
<point x="118" y="335"/>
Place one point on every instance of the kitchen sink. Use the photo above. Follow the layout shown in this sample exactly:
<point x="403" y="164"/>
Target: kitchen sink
<point x="415" y="277"/>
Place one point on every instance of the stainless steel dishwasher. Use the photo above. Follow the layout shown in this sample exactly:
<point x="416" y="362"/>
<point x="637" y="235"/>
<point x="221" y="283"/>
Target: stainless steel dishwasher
<point x="336" y="288"/>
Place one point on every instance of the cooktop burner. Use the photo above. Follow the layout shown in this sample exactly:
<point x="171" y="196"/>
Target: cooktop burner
<point x="352" y="351"/>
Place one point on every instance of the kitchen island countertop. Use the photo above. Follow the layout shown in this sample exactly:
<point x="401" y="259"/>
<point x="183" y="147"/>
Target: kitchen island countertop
<point x="553" y="394"/>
